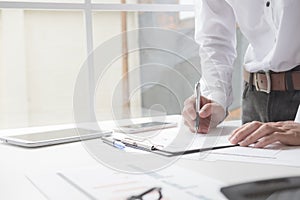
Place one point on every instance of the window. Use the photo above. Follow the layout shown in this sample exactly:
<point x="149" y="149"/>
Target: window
<point x="44" y="44"/>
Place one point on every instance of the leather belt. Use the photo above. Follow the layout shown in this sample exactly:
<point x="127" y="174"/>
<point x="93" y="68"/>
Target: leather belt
<point x="274" y="81"/>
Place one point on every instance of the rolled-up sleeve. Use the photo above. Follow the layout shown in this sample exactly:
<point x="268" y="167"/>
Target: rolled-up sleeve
<point x="216" y="35"/>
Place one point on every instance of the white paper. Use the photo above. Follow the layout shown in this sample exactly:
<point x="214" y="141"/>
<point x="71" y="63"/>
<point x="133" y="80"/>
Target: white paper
<point x="102" y="183"/>
<point x="176" y="183"/>
<point x="54" y="187"/>
<point x="274" y="154"/>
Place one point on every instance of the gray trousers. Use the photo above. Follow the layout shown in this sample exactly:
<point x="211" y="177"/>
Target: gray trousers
<point x="272" y="107"/>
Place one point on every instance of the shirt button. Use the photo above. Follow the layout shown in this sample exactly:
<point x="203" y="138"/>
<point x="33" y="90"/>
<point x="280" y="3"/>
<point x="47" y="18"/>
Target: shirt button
<point x="268" y="3"/>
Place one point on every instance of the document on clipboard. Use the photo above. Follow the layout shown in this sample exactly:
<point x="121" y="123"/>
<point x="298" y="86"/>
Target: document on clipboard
<point x="156" y="148"/>
<point x="165" y="143"/>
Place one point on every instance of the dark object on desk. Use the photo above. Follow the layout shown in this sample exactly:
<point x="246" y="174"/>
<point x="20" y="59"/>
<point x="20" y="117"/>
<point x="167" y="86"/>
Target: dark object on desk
<point x="178" y="153"/>
<point x="151" y="194"/>
<point x="47" y="138"/>
<point x="270" y="189"/>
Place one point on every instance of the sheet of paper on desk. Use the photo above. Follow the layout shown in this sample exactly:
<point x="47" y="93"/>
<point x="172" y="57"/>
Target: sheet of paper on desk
<point x="232" y="153"/>
<point x="287" y="156"/>
<point x="275" y="154"/>
<point x="176" y="183"/>
<point x="102" y="183"/>
<point x="54" y="187"/>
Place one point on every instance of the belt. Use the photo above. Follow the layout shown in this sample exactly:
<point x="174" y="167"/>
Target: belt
<point x="274" y="81"/>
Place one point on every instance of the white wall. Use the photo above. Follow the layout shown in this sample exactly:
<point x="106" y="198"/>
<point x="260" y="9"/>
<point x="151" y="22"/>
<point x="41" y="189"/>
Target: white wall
<point x="55" y="50"/>
<point x="113" y="75"/>
<point x="13" y="104"/>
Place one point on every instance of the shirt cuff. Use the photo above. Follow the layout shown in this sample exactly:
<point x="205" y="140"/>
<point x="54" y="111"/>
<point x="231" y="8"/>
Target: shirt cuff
<point x="219" y="98"/>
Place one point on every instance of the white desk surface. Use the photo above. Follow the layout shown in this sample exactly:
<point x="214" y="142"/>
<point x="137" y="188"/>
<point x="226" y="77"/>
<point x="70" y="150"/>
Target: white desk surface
<point x="16" y="162"/>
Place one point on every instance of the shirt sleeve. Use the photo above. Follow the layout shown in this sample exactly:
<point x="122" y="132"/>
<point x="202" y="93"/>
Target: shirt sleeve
<point x="215" y="32"/>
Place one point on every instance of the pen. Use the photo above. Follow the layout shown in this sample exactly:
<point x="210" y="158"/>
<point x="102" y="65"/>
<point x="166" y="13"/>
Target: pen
<point x="198" y="96"/>
<point x="114" y="143"/>
<point x="128" y="142"/>
<point x="137" y="144"/>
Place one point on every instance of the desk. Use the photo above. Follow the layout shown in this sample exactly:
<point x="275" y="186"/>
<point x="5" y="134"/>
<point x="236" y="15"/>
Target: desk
<point x="16" y="162"/>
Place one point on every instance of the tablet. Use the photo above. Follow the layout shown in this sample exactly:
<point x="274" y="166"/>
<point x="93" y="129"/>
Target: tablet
<point x="53" y="137"/>
<point x="146" y="126"/>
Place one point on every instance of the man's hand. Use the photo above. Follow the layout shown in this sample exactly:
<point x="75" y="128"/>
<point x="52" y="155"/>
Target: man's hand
<point x="262" y="134"/>
<point x="211" y="114"/>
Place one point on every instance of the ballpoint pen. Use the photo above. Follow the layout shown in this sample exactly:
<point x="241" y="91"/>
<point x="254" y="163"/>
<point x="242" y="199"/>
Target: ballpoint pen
<point x="113" y="142"/>
<point x="128" y="142"/>
<point x="138" y="144"/>
<point x="197" y="107"/>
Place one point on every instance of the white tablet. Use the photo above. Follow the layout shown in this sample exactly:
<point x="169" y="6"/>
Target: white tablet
<point x="53" y="137"/>
<point x="147" y="126"/>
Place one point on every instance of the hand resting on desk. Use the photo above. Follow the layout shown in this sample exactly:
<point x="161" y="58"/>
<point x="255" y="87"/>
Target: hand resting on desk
<point x="262" y="134"/>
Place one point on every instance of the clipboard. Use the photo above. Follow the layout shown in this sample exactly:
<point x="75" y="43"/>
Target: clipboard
<point x="157" y="149"/>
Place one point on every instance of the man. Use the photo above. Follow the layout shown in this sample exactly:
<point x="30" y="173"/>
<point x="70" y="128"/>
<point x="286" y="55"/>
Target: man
<point x="271" y="68"/>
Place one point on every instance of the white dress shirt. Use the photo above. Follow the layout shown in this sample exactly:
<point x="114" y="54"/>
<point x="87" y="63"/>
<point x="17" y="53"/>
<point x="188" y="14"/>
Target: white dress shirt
<point x="272" y="28"/>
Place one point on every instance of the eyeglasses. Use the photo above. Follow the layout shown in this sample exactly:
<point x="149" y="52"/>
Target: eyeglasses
<point x="151" y="194"/>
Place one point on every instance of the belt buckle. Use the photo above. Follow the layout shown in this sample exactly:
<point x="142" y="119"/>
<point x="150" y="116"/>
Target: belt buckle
<point x="268" y="76"/>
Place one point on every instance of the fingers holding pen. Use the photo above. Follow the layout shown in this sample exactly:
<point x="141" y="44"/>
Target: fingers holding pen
<point x="205" y="118"/>
<point x="189" y="112"/>
<point x="205" y="111"/>
<point x="210" y="114"/>
<point x="204" y="125"/>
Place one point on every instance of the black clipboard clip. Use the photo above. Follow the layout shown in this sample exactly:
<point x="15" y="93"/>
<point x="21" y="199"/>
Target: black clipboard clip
<point x="191" y="151"/>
